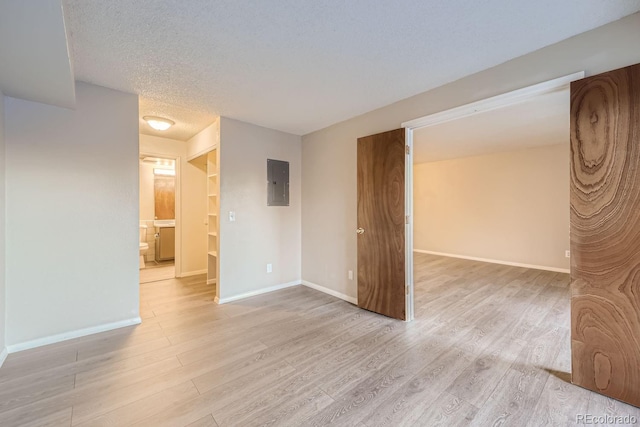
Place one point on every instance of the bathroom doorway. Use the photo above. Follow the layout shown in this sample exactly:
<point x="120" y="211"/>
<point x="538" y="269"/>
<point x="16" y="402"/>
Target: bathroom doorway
<point x="158" y="195"/>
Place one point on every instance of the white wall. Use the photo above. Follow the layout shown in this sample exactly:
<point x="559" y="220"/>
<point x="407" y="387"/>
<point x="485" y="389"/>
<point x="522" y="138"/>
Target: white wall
<point x="204" y="141"/>
<point x="191" y="204"/>
<point x="72" y="216"/>
<point x="329" y="155"/>
<point x="3" y="300"/>
<point x="147" y="195"/>
<point x="511" y="206"/>
<point x="260" y="234"/>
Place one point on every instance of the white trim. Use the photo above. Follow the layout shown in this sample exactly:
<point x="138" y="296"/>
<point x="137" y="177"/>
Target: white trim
<point x="331" y="292"/>
<point x="193" y="273"/>
<point x="203" y="151"/>
<point x="3" y="356"/>
<point x="494" y="102"/>
<point x="177" y="205"/>
<point x="408" y="228"/>
<point x="257" y="292"/>
<point x="495" y="261"/>
<point x="72" y="334"/>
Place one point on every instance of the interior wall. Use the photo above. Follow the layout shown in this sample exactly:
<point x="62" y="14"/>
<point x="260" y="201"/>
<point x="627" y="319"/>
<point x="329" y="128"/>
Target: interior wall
<point x="511" y="206"/>
<point x="191" y="209"/>
<point x="260" y="234"/>
<point x="204" y="141"/>
<point x="3" y="293"/>
<point x="72" y="216"/>
<point x="194" y="214"/>
<point x="329" y="155"/>
<point x="147" y="207"/>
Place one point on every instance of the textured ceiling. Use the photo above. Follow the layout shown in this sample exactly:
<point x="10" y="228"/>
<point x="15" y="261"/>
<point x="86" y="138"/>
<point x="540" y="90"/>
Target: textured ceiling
<point x="301" y="65"/>
<point x="543" y="120"/>
<point x="33" y="39"/>
<point x="188" y="121"/>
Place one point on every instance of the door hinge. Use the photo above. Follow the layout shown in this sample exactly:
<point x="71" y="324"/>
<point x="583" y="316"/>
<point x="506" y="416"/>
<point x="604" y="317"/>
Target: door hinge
<point x="406" y="289"/>
<point x="407" y="149"/>
<point x="406" y="219"/>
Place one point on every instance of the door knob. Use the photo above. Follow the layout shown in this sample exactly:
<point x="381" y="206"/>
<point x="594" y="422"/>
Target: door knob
<point x="360" y="230"/>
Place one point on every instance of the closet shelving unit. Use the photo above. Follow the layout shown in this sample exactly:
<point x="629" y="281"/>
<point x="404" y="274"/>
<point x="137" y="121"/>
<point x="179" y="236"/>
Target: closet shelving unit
<point x="213" y="212"/>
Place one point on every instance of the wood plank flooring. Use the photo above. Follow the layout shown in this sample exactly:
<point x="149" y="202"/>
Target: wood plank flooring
<point x="490" y="346"/>
<point x="155" y="273"/>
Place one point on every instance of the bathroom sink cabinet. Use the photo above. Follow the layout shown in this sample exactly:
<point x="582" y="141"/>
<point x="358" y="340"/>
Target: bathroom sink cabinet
<point x="165" y="243"/>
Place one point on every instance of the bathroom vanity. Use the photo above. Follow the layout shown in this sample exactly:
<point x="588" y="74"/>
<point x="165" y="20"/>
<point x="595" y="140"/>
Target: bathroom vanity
<point x="165" y="239"/>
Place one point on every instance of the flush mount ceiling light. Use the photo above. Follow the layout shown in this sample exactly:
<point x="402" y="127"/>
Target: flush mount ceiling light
<point x="165" y="172"/>
<point x="158" y="123"/>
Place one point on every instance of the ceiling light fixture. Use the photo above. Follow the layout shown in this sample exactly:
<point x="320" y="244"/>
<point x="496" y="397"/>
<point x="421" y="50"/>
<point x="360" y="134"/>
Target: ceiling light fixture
<point x="165" y="172"/>
<point x="158" y="123"/>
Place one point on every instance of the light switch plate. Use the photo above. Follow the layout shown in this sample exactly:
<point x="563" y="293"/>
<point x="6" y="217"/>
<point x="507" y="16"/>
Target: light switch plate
<point x="232" y="216"/>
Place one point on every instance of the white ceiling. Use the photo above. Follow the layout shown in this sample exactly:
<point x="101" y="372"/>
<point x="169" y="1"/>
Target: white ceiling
<point x="34" y="57"/>
<point x="539" y="121"/>
<point x="188" y="122"/>
<point x="301" y="65"/>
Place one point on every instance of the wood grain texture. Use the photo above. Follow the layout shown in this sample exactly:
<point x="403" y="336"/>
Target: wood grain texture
<point x="296" y="357"/>
<point x="207" y="421"/>
<point x="155" y="274"/>
<point x="381" y="198"/>
<point x="164" y="192"/>
<point x="605" y="233"/>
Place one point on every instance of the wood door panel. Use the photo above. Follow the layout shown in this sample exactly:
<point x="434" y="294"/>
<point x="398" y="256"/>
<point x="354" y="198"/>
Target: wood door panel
<point x="164" y="189"/>
<point x="381" y="204"/>
<point x="605" y="233"/>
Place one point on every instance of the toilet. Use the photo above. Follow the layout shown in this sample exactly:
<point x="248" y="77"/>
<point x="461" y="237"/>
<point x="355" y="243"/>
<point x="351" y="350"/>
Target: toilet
<point x="144" y="246"/>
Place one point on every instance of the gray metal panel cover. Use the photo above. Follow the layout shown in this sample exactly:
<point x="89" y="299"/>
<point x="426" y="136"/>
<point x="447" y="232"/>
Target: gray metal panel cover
<point x="277" y="183"/>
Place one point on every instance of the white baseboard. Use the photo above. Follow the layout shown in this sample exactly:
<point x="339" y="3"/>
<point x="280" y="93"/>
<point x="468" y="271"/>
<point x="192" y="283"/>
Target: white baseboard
<point x="496" y="261"/>
<point x="331" y="292"/>
<point x="193" y="273"/>
<point x="73" y="334"/>
<point x="257" y="292"/>
<point x="3" y="356"/>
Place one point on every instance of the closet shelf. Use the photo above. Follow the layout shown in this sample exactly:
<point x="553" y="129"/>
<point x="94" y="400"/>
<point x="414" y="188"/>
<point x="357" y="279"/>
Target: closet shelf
<point x="213" y="215"/>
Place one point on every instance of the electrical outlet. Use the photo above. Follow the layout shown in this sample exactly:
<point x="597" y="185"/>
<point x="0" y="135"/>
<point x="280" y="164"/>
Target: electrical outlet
<point x="350" y="275"/>
<point x="567" y="254"/>
<point x="269" y="268"/>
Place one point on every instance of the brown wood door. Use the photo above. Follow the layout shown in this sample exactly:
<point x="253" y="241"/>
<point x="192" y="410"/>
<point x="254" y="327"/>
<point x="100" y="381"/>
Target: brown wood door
<point x="164" y="189"/>
<point x="605" y="233"/>
<point x="381" y="223"/>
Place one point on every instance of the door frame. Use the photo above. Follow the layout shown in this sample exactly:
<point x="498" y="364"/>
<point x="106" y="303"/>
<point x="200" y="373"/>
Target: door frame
<point x="471" y="109"/>
<point x="178" y="203"/>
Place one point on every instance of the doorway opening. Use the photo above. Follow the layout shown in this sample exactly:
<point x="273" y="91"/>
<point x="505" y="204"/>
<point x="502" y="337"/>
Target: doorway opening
<point x="159" y="177"/>
<point x="488" y="186"/>
<point x="208" y="165"/>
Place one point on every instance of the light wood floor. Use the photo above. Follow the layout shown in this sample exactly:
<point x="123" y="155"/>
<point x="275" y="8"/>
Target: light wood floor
<point x="490" y="346"/>
<point x="156" y="273"/>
